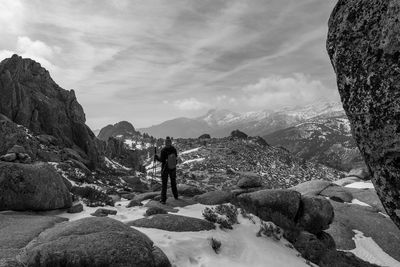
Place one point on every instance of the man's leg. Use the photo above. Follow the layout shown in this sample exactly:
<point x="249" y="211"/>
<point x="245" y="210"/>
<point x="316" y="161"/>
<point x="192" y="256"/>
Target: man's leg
<point x="172" y="174"/>
<point x="164" y="180"/>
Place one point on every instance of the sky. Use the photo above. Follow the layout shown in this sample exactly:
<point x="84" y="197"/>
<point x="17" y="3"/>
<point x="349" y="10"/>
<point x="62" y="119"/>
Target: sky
<point x="147" y="61"/>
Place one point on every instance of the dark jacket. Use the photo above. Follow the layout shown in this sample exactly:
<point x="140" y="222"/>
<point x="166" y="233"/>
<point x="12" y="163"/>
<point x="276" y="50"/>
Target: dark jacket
<point x="165" y="152"/>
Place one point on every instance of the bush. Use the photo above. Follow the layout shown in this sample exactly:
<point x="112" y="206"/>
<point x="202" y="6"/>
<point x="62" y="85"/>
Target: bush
<point x="215" y="244"/>
<point x="225" y="215"/>
<point x="91" y="196"/>
<point x="269" y="229"/>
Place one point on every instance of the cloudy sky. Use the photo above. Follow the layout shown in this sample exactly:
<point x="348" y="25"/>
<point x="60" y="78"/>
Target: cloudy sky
<point x="147" y="61"/>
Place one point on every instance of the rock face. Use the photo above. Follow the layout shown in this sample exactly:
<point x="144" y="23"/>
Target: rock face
<point x="32" y="187"/>
<point x="364" y="48"/>
<point x="92" y="242"/>
<point x="122" y="128"/>
<point x="31" y="98"/>
<point x="316" y="214"/>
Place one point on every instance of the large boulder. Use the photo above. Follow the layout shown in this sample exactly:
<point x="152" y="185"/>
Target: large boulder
<point x="364" y="49"/>
<point x="249" y="180"/>
<point x="31" y="98"/>
<point x="18" y="229"/>
<point x="173" y="223"/>
<point x="337" y="193"/>
<point x="135" y="183"/>
<point x="350" y="217"/>
<point x="312" y="187"/>
<point x="214" y="197"/>
<point x="279" y="206"/>
<point x="92" y="242"/>
<point x="315" y="215"/>
<point x="189" y="190"/>
<point x="32" y="187"/>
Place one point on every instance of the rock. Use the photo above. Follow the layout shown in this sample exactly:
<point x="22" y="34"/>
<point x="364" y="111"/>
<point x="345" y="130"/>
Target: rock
<point x="361" y="172"/>
<point x="315" y="215"/>
<point x="128" y="196"/>
<point x="76" y="208"/>
<point x="18" y="229"/>
<point x="134" y="203"/>
<point x="312" y="187"/>
<point x="92" y="242"/>
<point x="347" y="180"/>
<point x="343" y="259"/>
<point x="337" y="193"/>
<point x="250" y="180"/>
<point x="157" y="205"/>
<point x="32" y="187"/>
<point x="44" y="107"/>
<point x="135" y="183"/>
<point x="47" y="139"/>
<point x="103" y="212"/>
<point x="173" y="223"/>
<point x="238" y="134"/>
<point x="189" y="191"/>
<point x="279" y="206"/>
<point x="17" y="149"/>
<point x="310" y="247"/>
<point x="205" y="136"/>
<point x="349" y="217"/>
<point x="91" y="196"/>
<point x="364" y="50"/>
<point x="214" y="197"/>
<point x="327" y="240"/>
<point x="23" y="158"/>
<point x="145" y="196"/>
<point x="160" y="259"/>
<point x="155" y="210"/>
<point x="9" y="157"/>
<point x="122" y="128"/>
<point x="368" y="196"/>
<point x="115" y="198"/>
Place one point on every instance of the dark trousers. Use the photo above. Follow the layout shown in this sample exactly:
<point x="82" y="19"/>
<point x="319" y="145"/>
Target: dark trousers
<point x="164" y="178"/>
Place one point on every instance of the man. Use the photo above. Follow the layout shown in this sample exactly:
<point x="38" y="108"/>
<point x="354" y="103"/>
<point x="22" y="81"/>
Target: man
<point x="168" y="159"/>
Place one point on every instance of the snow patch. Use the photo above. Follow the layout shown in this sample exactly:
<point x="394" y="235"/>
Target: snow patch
<point x="361" y="185"/>
<point x="358" y="202"/>
<point x="190" y="151"/>
<point x="193" y="160"/>
<point x="368" y="250"/>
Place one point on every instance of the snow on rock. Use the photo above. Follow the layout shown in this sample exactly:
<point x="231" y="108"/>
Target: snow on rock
<point x="193" y="160"/>
<point x="115" y="165"/>
<point x="368" y="250"/>
<point x="190" y="151"/>
<point x="361" y="185"/>
<point x="358" y="202"/>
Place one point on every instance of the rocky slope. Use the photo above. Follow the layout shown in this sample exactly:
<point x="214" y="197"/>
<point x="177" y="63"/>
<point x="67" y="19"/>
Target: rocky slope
<point x="324" y="139"/>
<point x="219" y="163"/>
<point x="220" y="123"/>
<point x="364" y="49"/>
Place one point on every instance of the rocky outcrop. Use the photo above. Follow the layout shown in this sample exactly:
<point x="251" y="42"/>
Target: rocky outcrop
<point x="315" y="214"/>
<point x="249" y="180"/>
<point x="173" y="223"/>
<point x="364" y="48"/>
<point x="189" y="190"/>
<point x="32" y="187"/>
<point x="92" y="242"/>
<point x="214" y="197"/>
<point x="29" y="97"/>
<point x="121" y="129"/>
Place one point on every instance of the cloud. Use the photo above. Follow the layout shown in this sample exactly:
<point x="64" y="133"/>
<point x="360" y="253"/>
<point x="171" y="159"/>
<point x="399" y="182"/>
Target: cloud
<point x="277" y="91"/>
<point x="190" y="104"/>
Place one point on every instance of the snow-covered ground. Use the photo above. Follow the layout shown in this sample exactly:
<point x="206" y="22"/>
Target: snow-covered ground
<point x="240" y="246"/>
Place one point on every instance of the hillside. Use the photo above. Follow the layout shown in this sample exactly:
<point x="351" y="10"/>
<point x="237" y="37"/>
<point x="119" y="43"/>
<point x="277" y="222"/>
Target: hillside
<point x="323" y="139"/>
<point x="219" y="163"/>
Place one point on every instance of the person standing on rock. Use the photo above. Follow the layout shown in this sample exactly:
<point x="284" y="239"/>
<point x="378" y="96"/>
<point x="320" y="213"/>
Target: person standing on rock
<point x="168" y="158"/>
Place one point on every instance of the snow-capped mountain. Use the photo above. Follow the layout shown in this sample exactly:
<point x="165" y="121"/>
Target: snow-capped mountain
<point x="325" y="139"/>
<point x="220" y="122"/>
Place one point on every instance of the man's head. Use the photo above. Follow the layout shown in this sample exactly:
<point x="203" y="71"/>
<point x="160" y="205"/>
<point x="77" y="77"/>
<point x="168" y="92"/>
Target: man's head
<point x="168" y="141"/>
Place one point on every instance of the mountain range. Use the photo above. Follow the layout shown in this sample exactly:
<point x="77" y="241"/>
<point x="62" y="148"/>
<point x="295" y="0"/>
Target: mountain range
<point x="221" y="122"/>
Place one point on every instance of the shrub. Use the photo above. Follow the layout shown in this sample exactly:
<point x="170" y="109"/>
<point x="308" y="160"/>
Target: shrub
<point x="269" y="229"/>
<point x="215" y="244"/>
<point x="225" y="215"/>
